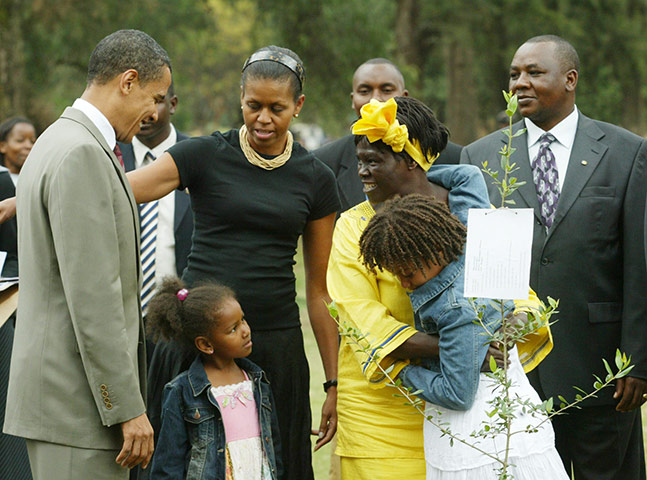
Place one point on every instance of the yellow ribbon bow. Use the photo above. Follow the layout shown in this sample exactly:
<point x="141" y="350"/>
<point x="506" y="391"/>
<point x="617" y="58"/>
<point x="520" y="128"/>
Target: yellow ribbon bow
<point x="379" y="122"/>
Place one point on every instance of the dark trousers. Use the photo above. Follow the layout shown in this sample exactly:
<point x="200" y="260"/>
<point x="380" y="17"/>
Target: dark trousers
<point x="601" y="443"/>
<point x="281" y="354"/>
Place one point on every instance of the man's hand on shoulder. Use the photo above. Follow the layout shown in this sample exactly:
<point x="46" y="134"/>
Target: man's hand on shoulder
<point x="138" y="442"/>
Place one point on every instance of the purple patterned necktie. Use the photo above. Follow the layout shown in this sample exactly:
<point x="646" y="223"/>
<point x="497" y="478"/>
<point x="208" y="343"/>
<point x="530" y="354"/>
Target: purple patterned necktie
<point x="546" y="178"/>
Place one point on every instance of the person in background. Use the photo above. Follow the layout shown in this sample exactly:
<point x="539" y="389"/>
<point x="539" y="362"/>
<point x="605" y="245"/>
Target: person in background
<point x="175" y="220"/>
<point x="17" y="137"/>
<point x="166" y="226"/>
<point x="77" y="380"/>
<point x="380" y="79"/>
<point x="585" y="180"/>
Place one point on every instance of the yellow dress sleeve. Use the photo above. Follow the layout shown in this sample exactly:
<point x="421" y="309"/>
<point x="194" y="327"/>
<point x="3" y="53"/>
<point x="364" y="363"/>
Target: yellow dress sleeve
<point x="376" y="305"/>
<point x="534" y="347"/>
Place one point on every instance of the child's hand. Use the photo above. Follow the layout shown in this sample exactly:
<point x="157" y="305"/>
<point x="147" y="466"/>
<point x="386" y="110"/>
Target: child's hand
<point x="138" y="442"/>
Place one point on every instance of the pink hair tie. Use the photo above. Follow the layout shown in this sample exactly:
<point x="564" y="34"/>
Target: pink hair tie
<point x="181" y="294"/>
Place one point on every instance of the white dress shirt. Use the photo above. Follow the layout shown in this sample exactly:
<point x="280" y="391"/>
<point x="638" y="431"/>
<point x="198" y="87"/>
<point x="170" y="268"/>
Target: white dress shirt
<point x="564" y="133"/>
<point x="165" y="243"/>
<point x="99" y="119"/>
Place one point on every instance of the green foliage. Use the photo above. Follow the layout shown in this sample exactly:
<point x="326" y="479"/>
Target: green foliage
<point x="454" y="54"/>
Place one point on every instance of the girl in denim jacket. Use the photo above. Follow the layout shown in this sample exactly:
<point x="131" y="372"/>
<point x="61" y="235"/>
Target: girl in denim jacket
<point x="217" y="417"/>
<point x="418" y="240"/>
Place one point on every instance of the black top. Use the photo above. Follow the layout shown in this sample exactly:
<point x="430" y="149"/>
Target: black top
<point x="248" y="221"/>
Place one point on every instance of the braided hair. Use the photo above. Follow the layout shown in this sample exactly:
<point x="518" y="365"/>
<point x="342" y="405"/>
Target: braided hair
<point x="422" y="125"/>
<point x="408" y="231"/>
<point x="172" y="318"/>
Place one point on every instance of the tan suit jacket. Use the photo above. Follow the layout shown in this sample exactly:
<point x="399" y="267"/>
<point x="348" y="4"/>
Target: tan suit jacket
<point x="78" y="362"/>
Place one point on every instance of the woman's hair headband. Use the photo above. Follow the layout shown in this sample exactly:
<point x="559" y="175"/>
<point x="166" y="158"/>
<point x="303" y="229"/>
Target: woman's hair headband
<point x="278" y="57"/>
<point x="379" y="122"/>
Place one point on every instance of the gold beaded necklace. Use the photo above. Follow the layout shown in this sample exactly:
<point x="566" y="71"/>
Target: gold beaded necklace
<point x="255" y="159"/>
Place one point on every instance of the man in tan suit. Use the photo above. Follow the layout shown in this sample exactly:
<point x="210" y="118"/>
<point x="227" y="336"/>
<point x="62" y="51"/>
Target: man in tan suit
<point x="77" y="381"/>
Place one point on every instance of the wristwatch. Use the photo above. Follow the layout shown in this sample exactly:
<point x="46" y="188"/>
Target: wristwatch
<point x="330" y="383"/>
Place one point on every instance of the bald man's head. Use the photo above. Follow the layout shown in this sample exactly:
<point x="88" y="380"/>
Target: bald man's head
<point x="377" y="78"/>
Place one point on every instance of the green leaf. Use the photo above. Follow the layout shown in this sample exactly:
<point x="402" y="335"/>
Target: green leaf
<point x="493" y="365"/>
<point x="607" y="367"/>
<point x="332" y="309"/>
<point x="512" y="105"/>
<point x="625" y="372"/>
<point x="618" y="360"/>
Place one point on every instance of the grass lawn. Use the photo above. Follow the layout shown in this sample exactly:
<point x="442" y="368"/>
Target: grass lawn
<point x="321" y="458"/>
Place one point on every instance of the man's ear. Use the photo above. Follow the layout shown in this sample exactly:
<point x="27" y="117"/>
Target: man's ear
<point x="571" y="80"/>
<point x="127" y="81"/>
<point x="172" y="104"/>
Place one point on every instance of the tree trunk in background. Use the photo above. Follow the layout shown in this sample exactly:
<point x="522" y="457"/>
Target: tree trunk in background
<point x="407" y="44"/>
<point x="12" y="60"/>
<point x="632" y="111"/>
<point x="462" y="107"/>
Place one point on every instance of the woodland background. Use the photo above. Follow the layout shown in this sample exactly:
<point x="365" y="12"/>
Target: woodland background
<point x="454" y="54"/>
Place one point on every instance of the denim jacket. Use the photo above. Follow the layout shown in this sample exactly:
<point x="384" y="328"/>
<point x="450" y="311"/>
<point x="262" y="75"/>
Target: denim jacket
<point x="192" y="437"/>
<point x="441" y="308"/>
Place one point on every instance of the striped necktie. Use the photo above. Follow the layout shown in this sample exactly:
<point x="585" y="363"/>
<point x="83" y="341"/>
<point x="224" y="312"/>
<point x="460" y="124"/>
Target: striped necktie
<point x="148" y="215"/>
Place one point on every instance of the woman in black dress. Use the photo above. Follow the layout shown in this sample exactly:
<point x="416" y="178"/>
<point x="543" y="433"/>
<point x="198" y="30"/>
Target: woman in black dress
<point x="254" y="192"/>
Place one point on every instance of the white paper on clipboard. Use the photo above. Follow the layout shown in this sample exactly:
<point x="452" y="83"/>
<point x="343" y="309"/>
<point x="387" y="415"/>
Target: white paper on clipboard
<point x="498" y="253"/>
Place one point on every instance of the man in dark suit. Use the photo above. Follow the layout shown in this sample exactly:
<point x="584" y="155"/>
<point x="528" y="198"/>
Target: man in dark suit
<point x="586" y="182"/>
<point x="175" y="223"/>
<point x="173" y="231"/>
<point x="380" y="79"/>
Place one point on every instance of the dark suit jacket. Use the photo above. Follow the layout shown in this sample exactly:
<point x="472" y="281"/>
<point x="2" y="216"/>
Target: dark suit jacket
<point x="8" y="229"/>
<point x="183" y="218"/>
<point x="341" y="158"/>
<point x="592" y="258"/>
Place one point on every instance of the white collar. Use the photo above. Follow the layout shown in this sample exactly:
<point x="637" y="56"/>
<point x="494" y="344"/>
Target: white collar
<point x="98" y="119"/>
<point x="140" y="150"/>
<point x="564" y="131"/>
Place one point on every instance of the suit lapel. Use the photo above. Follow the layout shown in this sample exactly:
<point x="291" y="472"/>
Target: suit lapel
<point x="586" y="148"/>
<point x="182" y="204"/>
<point x="79" y="117"/>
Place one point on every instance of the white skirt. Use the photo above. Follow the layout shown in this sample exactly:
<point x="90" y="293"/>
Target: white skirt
<point x="533" y="454"/>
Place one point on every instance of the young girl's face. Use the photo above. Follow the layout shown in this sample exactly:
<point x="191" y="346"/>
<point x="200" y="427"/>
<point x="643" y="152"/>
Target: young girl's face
<point x="231" y="336"/>
<point x="412" y="277"/>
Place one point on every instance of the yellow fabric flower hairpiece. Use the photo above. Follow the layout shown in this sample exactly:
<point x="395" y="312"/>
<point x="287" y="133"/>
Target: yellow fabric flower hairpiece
<point x="379" y="122"/>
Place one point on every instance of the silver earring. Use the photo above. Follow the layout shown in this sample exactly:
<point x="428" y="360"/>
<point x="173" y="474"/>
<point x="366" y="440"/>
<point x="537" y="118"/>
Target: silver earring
<point x="296" y="115"/>
<point x="241" y="107"/>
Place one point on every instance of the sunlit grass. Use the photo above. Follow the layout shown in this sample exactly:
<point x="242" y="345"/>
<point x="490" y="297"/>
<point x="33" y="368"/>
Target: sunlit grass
<point x="320" y="458"/>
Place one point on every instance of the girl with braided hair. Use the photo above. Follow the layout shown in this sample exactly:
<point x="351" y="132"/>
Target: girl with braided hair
<point x="397" y="142"/>
<point x="420" y="242"/>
